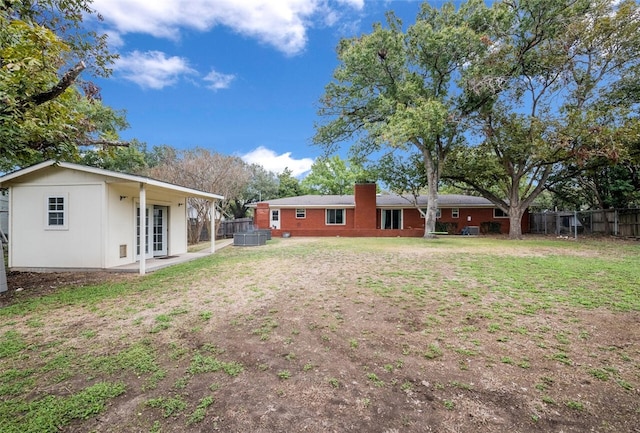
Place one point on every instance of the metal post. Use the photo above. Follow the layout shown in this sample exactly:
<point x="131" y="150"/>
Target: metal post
<point x="575" y="224"/>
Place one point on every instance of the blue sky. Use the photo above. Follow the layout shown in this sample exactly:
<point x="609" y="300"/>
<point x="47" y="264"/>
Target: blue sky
<point x="238" y="77"/>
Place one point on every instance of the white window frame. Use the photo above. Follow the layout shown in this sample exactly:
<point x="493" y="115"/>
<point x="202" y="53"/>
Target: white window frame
<point x="504" y="215"/>
<point x="64" y="211"/>
<point x="344" y="217"/>
<point x="301" y="213"/>
<point x="455" y="212"/>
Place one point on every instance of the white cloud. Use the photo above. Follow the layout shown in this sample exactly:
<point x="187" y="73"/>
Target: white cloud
<point x="152" y="69"/>
<point x="114" y="39"/>
<point x="356" y="4"/>
<point x="268" y="159"/>
<point x="217" y="80"/>
<point x="280" y="23"/>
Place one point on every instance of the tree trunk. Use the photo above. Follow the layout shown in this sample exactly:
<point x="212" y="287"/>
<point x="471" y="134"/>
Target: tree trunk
<point x="432" y="196"/>
<point x="515" y="222"/>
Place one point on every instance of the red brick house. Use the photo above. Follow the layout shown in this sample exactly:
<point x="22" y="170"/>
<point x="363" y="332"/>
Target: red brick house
<point x="369" y="214"/>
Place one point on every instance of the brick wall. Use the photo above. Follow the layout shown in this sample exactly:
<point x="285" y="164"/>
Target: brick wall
<point x="365" y="211"/>
<point x="365" y="220"/>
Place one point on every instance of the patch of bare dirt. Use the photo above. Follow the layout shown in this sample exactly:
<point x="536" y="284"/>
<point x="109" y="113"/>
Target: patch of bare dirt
<point x="333" y="340"/>
<point x="23" y="285"/>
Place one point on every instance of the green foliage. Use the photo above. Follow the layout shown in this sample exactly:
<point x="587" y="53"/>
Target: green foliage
<point x="45" y="115"/>
<point x="575" y="405"/>
<point x="65" y="18"/>
<point x="206" y="364"/>
<point x="15" y="382"/>
<point x="139" y="357"/>
<point x="375" y="379"/>
<point x="288" y="186"/>
<point x="599" y="373"/>
<point x="11" y="343"/>
<point x="333" y="176"/>
<point x="51" y="413"/>
<point x="433" y="351"/>
<point x="169" y="406"/>
<point x="263" y="185"/>
<point x="616" y="185"/>
<point x="402" y="174"/>
<point x="284" y="374"/>
<point x="200" y="412"/>
<point x="533" y="123"/>
<point x="124" y="159"/>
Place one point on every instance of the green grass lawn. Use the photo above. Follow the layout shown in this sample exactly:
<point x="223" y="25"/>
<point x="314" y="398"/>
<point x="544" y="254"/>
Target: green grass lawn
<point x="371" y="324"/>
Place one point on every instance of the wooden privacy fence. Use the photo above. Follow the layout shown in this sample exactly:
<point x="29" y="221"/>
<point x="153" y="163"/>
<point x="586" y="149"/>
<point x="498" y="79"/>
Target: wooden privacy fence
<point x="617" y="222"/>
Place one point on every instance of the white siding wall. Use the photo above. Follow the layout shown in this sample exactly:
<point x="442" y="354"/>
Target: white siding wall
<point x="178" y="227"/>
<point x="120" y="227"/>
<point x="79" y="245"/>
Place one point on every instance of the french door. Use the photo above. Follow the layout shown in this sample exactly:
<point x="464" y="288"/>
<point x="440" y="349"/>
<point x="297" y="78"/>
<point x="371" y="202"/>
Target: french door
<point x="156" y="245"/>
<point x="391" y="219"/>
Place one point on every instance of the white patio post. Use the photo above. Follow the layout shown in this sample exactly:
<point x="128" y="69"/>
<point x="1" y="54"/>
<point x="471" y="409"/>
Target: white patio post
<point x="143" y="228"/>
<point x="3" y="271"/>
<point x="212" y="229"/>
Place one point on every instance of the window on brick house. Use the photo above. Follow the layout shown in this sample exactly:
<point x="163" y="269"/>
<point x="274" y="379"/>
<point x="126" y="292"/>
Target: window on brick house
<point x="498" y="213"/>
<point x="335" y="217"/>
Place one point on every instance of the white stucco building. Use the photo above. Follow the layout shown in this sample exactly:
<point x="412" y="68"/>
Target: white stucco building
<point x="69" y="216"/>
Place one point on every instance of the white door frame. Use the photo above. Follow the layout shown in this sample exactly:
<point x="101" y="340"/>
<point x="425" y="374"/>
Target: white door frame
<point x="148" y="213"/>
<point x="160" y="230"/>
<point x="274" y="223"/>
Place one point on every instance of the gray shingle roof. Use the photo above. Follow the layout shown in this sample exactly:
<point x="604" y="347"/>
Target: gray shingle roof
<point x="314" y="201"/>
<point x="382" y="200"/>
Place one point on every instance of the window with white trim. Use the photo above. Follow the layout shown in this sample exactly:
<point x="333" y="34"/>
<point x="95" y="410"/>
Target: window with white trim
<point x="275" y="215"/>
<point x="455" y="212"/>
<point x="56" y="212"/>
<point x="335" y="217"/>
<point x="499" y="213"/>
<point x="301" y="213"/>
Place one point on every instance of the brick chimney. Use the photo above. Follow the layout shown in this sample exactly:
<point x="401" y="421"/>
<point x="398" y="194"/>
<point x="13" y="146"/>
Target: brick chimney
<point x="365" y="211"/>
<point x="261" y="218"/>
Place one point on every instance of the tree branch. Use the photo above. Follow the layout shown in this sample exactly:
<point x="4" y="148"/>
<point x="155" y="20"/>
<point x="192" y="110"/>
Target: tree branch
<point x="67" y="80"/>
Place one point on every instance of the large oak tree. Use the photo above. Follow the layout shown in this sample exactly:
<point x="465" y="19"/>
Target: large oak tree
<point x="549" y="74"/>
<point x="400" y="89"/>
<point x="46" y="110"/>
